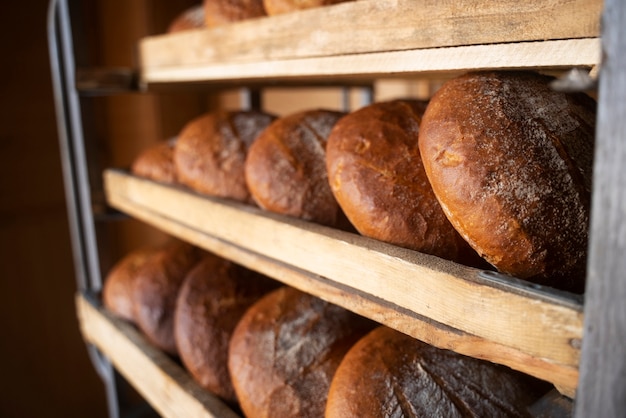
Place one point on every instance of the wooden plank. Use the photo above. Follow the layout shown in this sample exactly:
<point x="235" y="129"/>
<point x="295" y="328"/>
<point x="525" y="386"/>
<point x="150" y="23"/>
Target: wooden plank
<point x="603" y="379"/>
<point x="535" y="55"/>
<point x="539" y="324"/>
<point x="364" y="26"/>
<point x="168" y="387"/>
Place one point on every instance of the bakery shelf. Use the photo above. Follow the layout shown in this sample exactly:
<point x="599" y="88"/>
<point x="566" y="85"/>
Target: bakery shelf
<point x="527" y="327"/>
<point x="356" y="39"/>
<point x="164" y="383"/>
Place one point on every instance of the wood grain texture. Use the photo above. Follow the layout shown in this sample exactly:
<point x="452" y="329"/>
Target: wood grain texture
<point x="556" y="54"/>
<point x="504" y="321"/>
<point x="363" y="26"/>
<point x="168" y="387"/>
<point x="603" y="373"/>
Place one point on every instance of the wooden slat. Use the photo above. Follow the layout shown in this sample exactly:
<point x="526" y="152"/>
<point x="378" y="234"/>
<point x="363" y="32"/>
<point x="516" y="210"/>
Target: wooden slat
<point x="539" y="328"/>
<point x="373" y="26"/>
<point x="536" y="55"/>
<point x="168" y="388"/>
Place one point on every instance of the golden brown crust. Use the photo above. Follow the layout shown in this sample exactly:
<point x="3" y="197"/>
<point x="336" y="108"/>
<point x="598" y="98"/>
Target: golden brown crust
<point x="155" y="290"/>
<point x="156" y="163"/>
<point x="376" y="174"/>
<point x="286" y="167"/>
<point x="210" y="152"/>
<point x="285" y="350"/>
<point x="275" y="7"/>
<point x="191" y="18"/>
<point x="118" y="285"/>
<point x="222" y="12"/>
<point x="389" y="374"/>
<point x="212" y="299"/>
<point x="510" y="161"/>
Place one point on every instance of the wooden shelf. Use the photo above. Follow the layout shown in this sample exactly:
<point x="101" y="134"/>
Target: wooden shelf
<point x="355" y="40"/>
<point x="529" y="328"/>
<point x="167" y="386"/>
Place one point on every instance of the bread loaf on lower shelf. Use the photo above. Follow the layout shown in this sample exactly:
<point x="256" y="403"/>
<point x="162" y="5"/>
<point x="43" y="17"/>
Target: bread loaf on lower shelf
<point x="285" y="350"/>
<point x="212" y="299"/>
<point x="389" y="374"/>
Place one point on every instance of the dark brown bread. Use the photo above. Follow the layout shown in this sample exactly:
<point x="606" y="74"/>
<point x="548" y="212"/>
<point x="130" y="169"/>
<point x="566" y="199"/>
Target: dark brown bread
<point x="211" y="151"/>
<point x="276" y="7"/>
<point x="222" y="12"/>
<point x="510" y="161"/>
<point x="155" y="290"/>
<point x="212" y="299"/>
<point x="284" y="353"/>
<point x="191" y="18"/>
<point x="389" y="374"/>
<point x="376" y="174"/>
<point x="118" y="285"/>
<point x="286" y="167"/>
<point x="156" y="163"/>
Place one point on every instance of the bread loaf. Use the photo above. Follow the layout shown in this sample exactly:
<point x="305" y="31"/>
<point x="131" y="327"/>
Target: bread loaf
<point x="285" y="350"/>
<point x="155" y="290"/>
<point x="191" y="18"/>
<point x="212" y="299"/>
<point x="389" y="374"/>
<point x="286" y="167"/>
<point x="156" y="163"/>
<point x="509" y="159"/>
<point x="211" y="150"/>
<point x="276" y="7"/>
<point x="117" y="291"/>
<point x="222" y="12"/>
<point x="376" y="174"/>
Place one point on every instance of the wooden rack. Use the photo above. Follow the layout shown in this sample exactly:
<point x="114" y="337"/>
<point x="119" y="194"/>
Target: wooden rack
<point x="483" y="314"/>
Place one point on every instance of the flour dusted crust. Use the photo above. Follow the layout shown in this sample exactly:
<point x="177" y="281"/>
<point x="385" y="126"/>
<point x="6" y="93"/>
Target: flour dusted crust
<point x="211" y="150"/>
<point x="389" y="374"/>
<point x="156" y="163"/>
<point x="155" y="290"/>
<point x="286" y="167"/>
<point x="510" y="161"/>
<point x="222" y="12"/>
<point x="212" y="299"/>
<point x="191" y="18"/>
<point x="285" y="350"/>
<point x="376" y="174"/>
<point x="276" y="7"/>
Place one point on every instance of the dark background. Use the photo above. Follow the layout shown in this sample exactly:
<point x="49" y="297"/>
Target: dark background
<point x="45" y="368"/>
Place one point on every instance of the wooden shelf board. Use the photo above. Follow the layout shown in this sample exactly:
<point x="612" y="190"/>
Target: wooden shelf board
<point x="535" y="330"/>
<point x="558" y="54"/>
<point x="362" y="27"/>
<point x="162" y="382"/>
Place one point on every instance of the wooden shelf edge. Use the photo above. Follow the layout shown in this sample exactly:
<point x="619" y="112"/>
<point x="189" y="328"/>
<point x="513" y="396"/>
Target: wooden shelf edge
<point x="556" y="54"/>
<point x="163" y="383"/>
<point x="536" y="331"/>
<point x="362" y="27"/>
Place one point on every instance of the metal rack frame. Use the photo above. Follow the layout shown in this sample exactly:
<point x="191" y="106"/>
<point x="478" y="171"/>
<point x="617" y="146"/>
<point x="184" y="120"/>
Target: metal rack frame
<point x="602" y="387"/>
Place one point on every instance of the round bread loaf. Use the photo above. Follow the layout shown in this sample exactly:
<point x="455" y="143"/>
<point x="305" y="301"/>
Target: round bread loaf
<point x="155" y="290"/>
<point x="191" y="18"/>
<point x="210" y="152"/>
<point x="389" y="374"/>
<point x="510" y="161"/>
<point x="212" y="299"/>
<point x="118" y="285"/>
<point x="222" y="12"/>
<point x="286" y="167"/>
<point x="156" y="163"/>
<point x="284" y="353"/>
<point x="276" y="7"/>
<point x="376" y="174"/>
